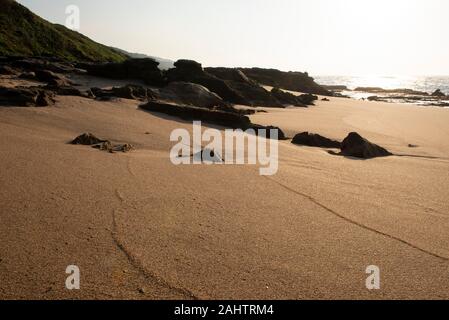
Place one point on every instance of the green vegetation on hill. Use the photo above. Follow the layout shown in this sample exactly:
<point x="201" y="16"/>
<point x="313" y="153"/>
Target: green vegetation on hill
<point x="22" y="33"/>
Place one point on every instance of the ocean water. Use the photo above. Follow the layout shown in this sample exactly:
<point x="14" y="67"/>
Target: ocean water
<point x="426" y="84"/>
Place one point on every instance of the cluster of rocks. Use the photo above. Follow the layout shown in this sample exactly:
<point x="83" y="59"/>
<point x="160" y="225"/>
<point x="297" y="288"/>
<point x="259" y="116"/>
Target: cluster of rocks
<point x="353" y="145"/>
<point x="145" y="69"/>
<point x="231" y="85"/>
<point x="293" y="81"/>
<point x="26" y="97"/>
<point x="47" y="71"/>
<point x="88" y="139"/>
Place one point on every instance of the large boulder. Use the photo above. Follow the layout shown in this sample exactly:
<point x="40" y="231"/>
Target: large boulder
<point x="189" y="65"/>
<point x="315" y="140"/>
<point x="142" y="69"/>
<point x="355" y="145"/>
<point x="26" y="97"/>
<point x="189" y="94"/>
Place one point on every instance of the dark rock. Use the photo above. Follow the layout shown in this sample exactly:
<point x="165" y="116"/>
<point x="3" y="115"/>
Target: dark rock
<point x="294" y="81"/>
<point x="6" y="70"/>
<point x="52" y="78"/>
<point x="189" y="94"/>
<point x="267" y="129"/>
<point x="125" y="92"/>
<point x="142" y="69"/>
<point x="356" y="146"/>
<point x="336" y="87"/>
<point x="325" y="99"/>
<point x="87" y="139"/>
<point x="223" y="118"/>
<point x="70" y="91"/>
<point x="44" y="63"/>
<point x="315" y="140"/>
<point x="255" y="95"/>
<point x="307" y="98"/>
<point x="45" y="98"/>
<point x="234" y="87"/>
<point x="26" y="97"/>
<point x="230" y="74"/>
<point x="287" y="98"/>
<point x="390" y="91"/>
<point x="188" y="65"/>
<point x="28" y="76"/>
<point x="191" y="71"/>
<point x="438" y="93"/>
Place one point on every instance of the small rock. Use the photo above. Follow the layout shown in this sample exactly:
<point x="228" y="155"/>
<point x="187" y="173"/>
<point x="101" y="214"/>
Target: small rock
<point x="87" y="139"/>
<point x="315" y="140"/>
<point x="355" y="145"/>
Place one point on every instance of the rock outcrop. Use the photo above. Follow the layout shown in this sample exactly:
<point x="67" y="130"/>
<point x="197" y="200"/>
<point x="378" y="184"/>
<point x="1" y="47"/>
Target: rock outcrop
<point x="438" y="93"/>
<point x="287" y="98"/>
<point x="355" y="145"/>
<point x="293" y="81"/>
<point x="141" y="69"/>
<point x="192" y="71"/>
<point x="69" y="91"/>
<point x="6" y="70"/>
<point x="315" y="140"/>
<point x="223" y="118"/>
<point x="26" y="97"/>
<point x="52" y="78"/>
<point x="126" y="92"/>
<point x="228" y="118"/>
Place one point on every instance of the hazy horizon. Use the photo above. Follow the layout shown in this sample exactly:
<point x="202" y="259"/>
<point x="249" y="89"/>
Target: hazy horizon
<point x="322" y="37"/>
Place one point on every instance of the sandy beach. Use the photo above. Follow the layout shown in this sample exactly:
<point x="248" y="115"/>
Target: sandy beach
<point x="141" y="228"/>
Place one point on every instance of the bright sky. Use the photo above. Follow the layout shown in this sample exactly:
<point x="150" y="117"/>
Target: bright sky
<point x="323" y="37"/>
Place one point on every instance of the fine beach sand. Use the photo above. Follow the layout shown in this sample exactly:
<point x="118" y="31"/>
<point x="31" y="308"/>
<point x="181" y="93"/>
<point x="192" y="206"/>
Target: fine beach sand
<point x="141" y="228"/>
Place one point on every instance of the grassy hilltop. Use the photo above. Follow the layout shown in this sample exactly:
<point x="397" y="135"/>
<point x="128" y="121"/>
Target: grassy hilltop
<point x="22" y="33"/>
